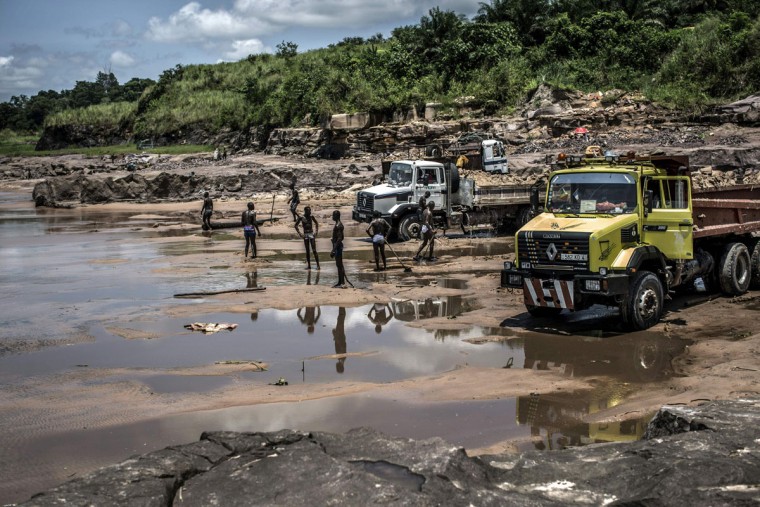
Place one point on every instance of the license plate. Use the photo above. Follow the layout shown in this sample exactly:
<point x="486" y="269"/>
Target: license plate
<point x="573" y="257"/>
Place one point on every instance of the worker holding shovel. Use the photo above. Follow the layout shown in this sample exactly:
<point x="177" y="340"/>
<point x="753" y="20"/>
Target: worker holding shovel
<point x="378" y="230"/>
<point x="428" y="233"/>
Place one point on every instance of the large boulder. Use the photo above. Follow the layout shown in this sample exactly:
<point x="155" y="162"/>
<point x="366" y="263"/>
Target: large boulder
<point x="694" y="456"/>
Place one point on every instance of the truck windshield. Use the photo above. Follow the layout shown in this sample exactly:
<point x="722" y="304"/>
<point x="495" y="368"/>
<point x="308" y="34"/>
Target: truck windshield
<point x="592" y="192"/>
<point x="400" y="174"/>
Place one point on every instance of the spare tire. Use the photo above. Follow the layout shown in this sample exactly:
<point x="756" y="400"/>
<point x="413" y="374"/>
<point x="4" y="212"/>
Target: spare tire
<point x="432" y="150"/>
<point x="453" y="171"/>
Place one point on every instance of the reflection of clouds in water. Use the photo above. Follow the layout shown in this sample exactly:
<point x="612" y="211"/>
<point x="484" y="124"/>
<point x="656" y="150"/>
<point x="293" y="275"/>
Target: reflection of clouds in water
<point x="409" y="350"/>
<point x="355" y="317"/>
<point x="274" y="417"/>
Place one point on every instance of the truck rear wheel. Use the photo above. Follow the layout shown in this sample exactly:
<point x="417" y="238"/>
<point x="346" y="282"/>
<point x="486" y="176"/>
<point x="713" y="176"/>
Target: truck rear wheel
<point x="523" y="216"/>
<point x="755" y="266"/>
<point x="409" y="227"/>
<point x="643" y="307"/>
<point x="734" y="272"/>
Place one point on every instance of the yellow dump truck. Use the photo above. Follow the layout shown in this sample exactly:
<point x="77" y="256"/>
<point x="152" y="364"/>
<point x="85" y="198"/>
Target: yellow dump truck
<point x="626" y="230"/>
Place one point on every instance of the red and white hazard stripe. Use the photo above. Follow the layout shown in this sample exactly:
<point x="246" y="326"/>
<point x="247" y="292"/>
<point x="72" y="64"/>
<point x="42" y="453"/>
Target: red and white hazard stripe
<point x="559" y="295"/>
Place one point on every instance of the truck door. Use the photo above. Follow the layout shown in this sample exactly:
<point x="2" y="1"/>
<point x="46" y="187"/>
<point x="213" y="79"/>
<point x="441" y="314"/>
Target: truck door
<point x="670" y="224"/>
<point x="431" y="179"/>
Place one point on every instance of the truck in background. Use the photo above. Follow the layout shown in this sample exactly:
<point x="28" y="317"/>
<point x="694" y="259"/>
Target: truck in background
<point x="625" y="231"/>
<point x="471" y="152"/>
<point x="459" y="201"/>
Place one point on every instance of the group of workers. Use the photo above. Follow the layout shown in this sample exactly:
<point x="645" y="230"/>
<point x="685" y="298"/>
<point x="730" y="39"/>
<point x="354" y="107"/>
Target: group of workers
<point x="307" y="228"/>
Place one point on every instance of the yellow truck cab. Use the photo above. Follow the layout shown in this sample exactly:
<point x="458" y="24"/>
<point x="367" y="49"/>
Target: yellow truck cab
<point x="623" y="231"/>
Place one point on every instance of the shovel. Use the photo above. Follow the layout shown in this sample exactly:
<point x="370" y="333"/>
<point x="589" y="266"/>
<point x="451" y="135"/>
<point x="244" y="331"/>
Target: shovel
<point x="406" y="269"/>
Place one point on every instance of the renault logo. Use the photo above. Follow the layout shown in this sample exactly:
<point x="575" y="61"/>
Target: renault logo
<point x="551" y="252"/>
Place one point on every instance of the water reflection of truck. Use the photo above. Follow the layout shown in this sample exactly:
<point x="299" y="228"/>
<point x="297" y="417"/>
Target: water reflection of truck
<point x="626" y="359"/>
<point x="409" y="310"/>
<point x="625" y="231"/>
<point x="561" y="417"/>
<point x="459" y="201"/>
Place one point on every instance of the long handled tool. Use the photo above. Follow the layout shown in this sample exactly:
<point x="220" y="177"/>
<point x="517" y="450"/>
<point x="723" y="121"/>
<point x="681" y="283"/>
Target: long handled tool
<point x="406" y="269"/>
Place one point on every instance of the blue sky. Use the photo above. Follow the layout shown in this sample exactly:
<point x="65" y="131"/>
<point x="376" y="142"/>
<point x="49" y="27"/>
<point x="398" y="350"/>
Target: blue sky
<point x="52" y="44"/>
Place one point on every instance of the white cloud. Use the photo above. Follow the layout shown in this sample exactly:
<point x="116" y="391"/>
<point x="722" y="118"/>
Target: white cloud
<point x="121" y="28"/>
<point x="122" y="59"/>
<point x="16" y="79"/>
<point x="243" y="48"/>
<point x="194" y="24"/>
<point x="255" y="18"/>
<point x="326" y="13"/>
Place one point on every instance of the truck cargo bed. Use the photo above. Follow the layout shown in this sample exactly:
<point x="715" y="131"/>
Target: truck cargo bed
<point x="730" y="210"/>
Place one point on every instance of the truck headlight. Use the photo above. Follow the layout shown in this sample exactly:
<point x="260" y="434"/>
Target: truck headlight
<point x="525" y="265"/>
<point x="508" y="265"/>
<point x="515" y="280"/>
<point x="603" y="271"/>
<point x="593" y="285"/>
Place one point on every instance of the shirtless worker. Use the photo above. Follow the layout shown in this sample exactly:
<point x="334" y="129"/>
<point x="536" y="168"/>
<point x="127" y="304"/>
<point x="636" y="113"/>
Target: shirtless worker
<point x="294" y="201"/>
<point x="310" y="230"/>
<point x="428" y="233"/>
<point x="250" y="229"/>
<point x="206" y="211"/>
<point x="337" y="249"/>
<point x="378" y="230"/>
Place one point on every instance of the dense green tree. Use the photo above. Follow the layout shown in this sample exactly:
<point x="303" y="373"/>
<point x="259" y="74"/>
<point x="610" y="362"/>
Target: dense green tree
<point x="527" y="16"/>
<point x="287" y="49"/>
<point x="133" y="89"/>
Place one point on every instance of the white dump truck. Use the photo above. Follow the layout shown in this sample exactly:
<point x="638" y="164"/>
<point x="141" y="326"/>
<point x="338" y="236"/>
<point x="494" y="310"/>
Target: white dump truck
<point x="459" y="201"/>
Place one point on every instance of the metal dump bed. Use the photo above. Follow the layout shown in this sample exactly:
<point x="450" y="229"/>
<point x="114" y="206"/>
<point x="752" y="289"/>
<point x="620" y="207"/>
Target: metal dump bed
<point x="726" y="210"/>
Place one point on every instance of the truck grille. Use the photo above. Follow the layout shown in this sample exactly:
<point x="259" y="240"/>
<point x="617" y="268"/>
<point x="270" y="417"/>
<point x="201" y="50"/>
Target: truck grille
<point x="561" y="251"/>
<point x="365" y="202"/>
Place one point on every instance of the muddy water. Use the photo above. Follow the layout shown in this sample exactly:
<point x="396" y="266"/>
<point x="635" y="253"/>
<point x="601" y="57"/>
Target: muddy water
<point x="69" y="277"/>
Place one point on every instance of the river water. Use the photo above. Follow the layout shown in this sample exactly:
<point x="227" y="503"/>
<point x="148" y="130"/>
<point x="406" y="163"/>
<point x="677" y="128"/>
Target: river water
<point x="70" y="277"/>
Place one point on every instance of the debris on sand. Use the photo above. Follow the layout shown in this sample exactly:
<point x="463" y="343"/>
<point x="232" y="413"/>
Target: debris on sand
<point x="209" y="328"/>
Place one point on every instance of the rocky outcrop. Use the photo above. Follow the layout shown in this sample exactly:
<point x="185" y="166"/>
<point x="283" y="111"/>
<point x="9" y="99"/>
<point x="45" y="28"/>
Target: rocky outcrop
<point x="690" y="456"/>
<point x="238" y="180"/>
<point x="82" y="136"/>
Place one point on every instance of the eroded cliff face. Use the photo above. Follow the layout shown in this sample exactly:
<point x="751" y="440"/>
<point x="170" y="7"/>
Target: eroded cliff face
<point x="697" y="456"/>
<point x="723" y="146"/>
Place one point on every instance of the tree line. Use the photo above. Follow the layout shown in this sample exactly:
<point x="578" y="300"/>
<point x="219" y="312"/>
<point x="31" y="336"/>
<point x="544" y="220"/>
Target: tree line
<point x="28" y="114"/>
<point x="684" y="53"/>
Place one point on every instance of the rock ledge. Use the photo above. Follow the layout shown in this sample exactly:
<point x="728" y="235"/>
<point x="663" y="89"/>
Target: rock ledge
<point x="706" y="455"/>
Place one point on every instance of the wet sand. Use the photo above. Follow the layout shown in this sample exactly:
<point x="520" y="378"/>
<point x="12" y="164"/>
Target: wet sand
<point x="61" y="422"/>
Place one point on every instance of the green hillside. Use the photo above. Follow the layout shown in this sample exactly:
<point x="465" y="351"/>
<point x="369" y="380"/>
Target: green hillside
<point x="687" y="54"/>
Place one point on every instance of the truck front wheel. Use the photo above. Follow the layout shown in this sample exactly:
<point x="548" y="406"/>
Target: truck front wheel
<point x="734" y="272"/>
<point x="409" y="227"/>
<point x="643" y="307"/>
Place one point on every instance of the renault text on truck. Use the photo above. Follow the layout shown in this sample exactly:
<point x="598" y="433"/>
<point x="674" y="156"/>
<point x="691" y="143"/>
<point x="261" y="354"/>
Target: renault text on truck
<point x="627" y="231"/>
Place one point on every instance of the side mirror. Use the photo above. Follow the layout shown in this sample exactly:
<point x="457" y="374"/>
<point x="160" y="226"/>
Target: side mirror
<point x="648" y="198"/>
<point x="534" y="200"/>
